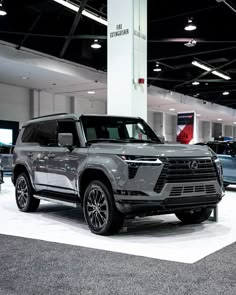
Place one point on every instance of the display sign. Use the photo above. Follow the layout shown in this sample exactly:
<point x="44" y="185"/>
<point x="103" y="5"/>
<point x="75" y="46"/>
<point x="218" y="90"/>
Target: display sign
<point x="6" y="137"/>
<point x="185" y="127"/>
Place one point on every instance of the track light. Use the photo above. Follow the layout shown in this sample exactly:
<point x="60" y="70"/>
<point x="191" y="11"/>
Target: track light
<point x="221" y="75"/>
<point x="85" y="12"/>
<point x="2" y="10"/>
<point x="201" y="66"/>
<point x="96" y="45"/>
<point x="190" y="26"/>
<point x="209" y="69"/>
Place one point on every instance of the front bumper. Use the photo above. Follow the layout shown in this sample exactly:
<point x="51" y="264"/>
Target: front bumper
<point x="174" y="197"/>
<point x="169" y="205"/>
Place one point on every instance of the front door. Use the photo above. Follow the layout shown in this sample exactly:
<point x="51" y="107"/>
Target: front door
<point x="63" y="164"/>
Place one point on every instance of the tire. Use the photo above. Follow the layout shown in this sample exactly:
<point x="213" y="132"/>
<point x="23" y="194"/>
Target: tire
<point x="24" y="194"/>
<point x="194" y="216"/>
<point x="99" y="209"/>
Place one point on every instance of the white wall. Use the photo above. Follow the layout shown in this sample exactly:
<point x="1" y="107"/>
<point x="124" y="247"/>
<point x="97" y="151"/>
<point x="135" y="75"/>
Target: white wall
<point x="150" y="119"/>
<point x="170" y="127"/>
<point x="89" y="106"/>
<point x="14" y="103"/>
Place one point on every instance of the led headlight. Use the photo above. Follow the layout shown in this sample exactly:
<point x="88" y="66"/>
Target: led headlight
<point x="141" y="160"/>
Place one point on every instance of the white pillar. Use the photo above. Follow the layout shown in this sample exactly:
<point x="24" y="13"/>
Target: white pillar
<point x="127" y="57"/>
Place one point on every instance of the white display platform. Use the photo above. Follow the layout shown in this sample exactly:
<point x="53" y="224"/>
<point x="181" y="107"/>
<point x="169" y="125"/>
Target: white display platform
<point x="162" y="237"/>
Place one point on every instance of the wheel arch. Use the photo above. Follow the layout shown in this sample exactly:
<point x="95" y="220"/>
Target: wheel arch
<point x="18" y="169"/>
<point x="89" y="175"/>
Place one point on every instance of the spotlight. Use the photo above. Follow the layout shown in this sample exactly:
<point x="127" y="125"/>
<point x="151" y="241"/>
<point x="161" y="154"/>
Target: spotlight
<point x="96" y="45"/>
<point x="190" y="26"/>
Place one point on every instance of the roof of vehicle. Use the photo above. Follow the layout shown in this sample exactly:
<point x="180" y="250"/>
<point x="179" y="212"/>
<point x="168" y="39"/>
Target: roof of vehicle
<point x="73" y="116"/>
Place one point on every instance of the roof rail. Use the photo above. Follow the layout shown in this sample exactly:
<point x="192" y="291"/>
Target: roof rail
<point x="52" y="115"/>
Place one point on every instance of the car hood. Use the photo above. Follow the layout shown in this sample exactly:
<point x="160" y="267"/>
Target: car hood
<point x="150" y="149"/>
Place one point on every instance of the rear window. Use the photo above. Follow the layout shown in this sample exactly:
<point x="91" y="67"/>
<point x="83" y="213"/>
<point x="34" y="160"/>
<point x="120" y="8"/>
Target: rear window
<point x="29" y="134"/>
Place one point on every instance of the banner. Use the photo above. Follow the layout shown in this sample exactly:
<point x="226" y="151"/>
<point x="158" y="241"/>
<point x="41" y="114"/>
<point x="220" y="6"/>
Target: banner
<point x="186" y="128"/>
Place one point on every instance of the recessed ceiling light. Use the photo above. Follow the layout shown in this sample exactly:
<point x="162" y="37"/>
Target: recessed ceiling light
<point x="171" y="109"/>
<point x="225" y="93"/>
<point x="234" y="122"/>
<point x="91" y="92"/>
<point x="195" y="83"/>
<point x="219" y="119"/>
<point x="25" y="78"/>
<point x="190" y="26"/>
<point x="198" y="115"/>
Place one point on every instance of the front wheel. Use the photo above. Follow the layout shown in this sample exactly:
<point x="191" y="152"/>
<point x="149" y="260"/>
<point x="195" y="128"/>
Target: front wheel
<point x="24" y="194"/>
<point x="194" y="216"/>
<point x="100" y="211"/>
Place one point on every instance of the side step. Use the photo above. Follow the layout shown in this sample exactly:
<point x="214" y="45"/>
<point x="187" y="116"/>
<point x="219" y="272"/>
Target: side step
<point x="52" y="199"/>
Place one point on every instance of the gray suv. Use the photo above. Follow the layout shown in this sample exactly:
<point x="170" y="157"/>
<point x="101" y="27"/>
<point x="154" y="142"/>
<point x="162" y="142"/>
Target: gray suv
<point x="114" y="167"/>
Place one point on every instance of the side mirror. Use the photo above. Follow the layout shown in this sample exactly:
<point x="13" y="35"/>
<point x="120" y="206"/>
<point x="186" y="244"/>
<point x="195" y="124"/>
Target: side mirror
<point x="65" y="140"/>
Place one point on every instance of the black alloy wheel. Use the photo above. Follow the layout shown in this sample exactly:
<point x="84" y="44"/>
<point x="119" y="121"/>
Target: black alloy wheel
<point x="24" y="194"/>
<point x="194" y="216"/>
<point x="100" y="211"/>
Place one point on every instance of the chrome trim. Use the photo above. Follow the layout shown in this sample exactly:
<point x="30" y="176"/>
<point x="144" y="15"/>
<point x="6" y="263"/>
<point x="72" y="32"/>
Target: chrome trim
<point x="74" y="205"/>
<point x="144" y="162"/>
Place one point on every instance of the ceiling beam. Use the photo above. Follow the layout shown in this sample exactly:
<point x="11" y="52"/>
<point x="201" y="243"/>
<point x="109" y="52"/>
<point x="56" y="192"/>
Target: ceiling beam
<point x="27" y="35"/>
<point x="73" y="27"/>
<point x="191" y="54"/>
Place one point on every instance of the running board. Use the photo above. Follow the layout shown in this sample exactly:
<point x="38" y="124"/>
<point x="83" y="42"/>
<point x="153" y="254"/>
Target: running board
<point x="62" y="202"/>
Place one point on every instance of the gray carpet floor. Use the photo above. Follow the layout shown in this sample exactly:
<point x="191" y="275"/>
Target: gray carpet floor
<point x="32" y="267"/>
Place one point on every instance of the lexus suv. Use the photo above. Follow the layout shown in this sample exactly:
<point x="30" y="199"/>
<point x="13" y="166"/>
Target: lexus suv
<point x="114" y="167"/>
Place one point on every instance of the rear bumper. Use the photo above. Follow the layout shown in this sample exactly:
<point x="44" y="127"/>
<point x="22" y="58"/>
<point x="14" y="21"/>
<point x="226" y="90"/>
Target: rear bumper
<point x="169" y="205"/>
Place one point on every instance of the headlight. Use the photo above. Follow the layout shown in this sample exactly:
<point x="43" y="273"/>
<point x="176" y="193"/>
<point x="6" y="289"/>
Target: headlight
<point x="219" y="170"/>
<point x="141" y="160"/>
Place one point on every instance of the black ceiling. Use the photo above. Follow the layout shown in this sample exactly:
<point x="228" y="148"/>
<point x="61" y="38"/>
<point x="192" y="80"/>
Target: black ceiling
<point x="46" y="25"/>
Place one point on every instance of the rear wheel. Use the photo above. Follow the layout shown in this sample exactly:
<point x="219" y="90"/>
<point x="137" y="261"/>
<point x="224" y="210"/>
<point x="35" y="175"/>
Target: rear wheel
<point x="100" y="211"/>
<point x="24" y="194"/>
<point x="194" y="216"/>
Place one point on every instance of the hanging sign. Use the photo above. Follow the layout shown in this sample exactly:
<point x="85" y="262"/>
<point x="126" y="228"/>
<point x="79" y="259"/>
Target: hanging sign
<point x="185" y="127"/>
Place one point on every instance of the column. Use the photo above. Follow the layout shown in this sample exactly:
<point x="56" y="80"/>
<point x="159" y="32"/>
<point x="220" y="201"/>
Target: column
<point x="127" y="58"/>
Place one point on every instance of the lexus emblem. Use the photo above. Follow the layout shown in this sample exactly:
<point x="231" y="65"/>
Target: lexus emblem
<point x="193" y="165"/>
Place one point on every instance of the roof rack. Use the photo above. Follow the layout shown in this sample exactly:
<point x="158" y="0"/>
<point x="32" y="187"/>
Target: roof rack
<point x="49" y="116"/>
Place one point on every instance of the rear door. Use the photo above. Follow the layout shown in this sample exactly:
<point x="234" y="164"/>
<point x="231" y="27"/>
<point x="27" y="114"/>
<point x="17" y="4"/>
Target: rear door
<point x="32" y="155"/>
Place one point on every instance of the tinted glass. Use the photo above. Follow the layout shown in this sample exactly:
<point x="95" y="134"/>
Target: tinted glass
<point x="116" y="128"/>
<point x="47" y="134"/>
<point x="213" y="146"/>
<point x="69" y="127"/>
<point x="30" y="133"/>
<point x="222" y="149"/>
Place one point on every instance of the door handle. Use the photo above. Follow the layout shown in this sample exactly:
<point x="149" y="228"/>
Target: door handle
<point x="51" y="156"/>
<point x="30" y="155"/>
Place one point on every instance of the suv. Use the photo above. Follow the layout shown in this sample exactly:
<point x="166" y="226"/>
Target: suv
<point x="226" y="151"/>
<point x="114" y="167"/>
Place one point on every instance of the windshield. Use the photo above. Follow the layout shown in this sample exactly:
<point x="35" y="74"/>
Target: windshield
<point x="98" y="128"/>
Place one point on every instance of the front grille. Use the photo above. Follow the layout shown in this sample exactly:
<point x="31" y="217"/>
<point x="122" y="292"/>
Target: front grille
<point x="179" y="171"/>
<point x="182" y="190"/>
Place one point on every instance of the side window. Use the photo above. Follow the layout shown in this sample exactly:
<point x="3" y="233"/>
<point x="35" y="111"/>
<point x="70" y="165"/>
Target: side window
<point x="30" y="133"/>
<point x="222" y="149"/>
<point x="213" y="146"/>
<point x="69" y="127"/>
<point x="47" y="135"/>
